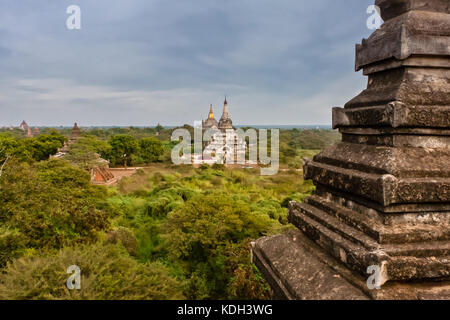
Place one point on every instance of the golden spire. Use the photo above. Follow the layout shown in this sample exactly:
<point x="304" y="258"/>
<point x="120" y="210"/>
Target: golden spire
<point x="211" y="113"/>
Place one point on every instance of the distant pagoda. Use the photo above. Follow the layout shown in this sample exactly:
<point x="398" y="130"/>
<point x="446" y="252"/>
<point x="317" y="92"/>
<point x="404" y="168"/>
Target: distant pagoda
<point x="225" y="122"/>
<point x="210" y="122"/>
<point x="24" y="126"/>
<point x="76" y="133"/>
<point x="29" y="134"/>
<point x="36" y="131"/>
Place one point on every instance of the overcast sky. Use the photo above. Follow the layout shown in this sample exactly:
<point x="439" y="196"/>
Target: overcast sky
<point x="140" y="62"/>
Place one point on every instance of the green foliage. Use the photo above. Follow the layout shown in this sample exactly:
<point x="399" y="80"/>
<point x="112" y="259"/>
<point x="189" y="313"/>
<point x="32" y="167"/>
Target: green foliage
<point x="150" y="149"/>
<point x="271" y="208"/>
<point x="200" y="223"/>
<point x="45" y="145"/>
<point x="166" y="232"/>
<point x="159" y="132"/>
<point x="206" y="233"/>
<point x="126" y="237"/>
<point x="86" y="152"/>
<point x="107" y="272"/>
<point x="123" y="148"/>
<point x="30" y="149"/>
<point x="50" y="204"/>
<point x="11" y="244"/>
<point x="309" y="139"/>
<point x="159" y="128"/>
<point x="164" y="200"/>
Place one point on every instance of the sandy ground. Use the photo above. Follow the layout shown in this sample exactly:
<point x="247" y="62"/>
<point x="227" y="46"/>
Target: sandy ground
<point x="120" y="173"/>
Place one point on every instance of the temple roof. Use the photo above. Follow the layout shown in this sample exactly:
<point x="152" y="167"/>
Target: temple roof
<point x="211" y="113"/>
<point x="24" y="125"/>
<point x="225" y="121"/>
<point x="210" y="122"/>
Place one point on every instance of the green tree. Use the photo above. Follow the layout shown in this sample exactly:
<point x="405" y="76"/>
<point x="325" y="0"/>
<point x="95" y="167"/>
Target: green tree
<point x="13" y="147"/>
<point x="50" y="204"/>
<point x="8" y="146"/>
<point x="150" y="149"/>
<point x="86" y="152"/>
<point x="107" y="273"/>
<point x="206" y="233"/>
<point x="45" y="145"/>
<point x="123" y="148"/>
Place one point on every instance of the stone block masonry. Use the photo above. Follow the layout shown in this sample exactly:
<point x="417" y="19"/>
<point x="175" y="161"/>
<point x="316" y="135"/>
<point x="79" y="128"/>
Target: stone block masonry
<point x="382" y="194"/>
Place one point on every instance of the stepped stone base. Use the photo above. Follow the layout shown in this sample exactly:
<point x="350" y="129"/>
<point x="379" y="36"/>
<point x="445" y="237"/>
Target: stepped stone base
<point x="297" y="268"/>
<point x="382" y="199"/>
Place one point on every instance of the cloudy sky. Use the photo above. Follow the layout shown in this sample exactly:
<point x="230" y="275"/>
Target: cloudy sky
<point x="140" y="62"/>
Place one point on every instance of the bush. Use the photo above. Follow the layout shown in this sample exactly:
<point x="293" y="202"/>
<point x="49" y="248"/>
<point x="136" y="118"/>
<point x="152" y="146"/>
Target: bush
<point x="150" y="149"/>
<point x="11" y="243"/>
<point x="123" y="149"/>
<point x="126" y="238"/>
<point x="164" y="200"/>
<point x="207" y="233"/>
<point x="107" y="272"/>
<point x="218" y="166"/>
<point x="51" y="204"/>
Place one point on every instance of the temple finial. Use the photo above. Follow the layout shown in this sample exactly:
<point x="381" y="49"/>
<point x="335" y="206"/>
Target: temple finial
<point x="211" y="113"/>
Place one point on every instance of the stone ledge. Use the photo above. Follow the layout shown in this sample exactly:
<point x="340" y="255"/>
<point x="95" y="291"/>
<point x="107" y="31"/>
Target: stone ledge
<point x="294" y="272"/>
<point x="399" y="162"/>
<point x="352" y="247"/>
<point x="393" y="8"/>
<point x="414" y="33"/>
<point x="394" y="115"/>
<point x="384" y="189"/>
<point x="296" y="268"/>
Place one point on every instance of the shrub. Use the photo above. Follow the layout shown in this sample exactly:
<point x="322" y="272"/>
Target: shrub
<point x="218" y="166"/>
<point x="123" y="149"/>
<point x="51" y="204"/>
<point x="207" y="233"/>
<point x="126" y="238"/>
<point x="11" y="242"/>
<point x="150" y="149"/>
<point x="107" y="272"/>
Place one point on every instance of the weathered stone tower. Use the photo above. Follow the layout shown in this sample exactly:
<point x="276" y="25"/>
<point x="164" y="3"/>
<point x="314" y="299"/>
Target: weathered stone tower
<point x="383" y="194"/>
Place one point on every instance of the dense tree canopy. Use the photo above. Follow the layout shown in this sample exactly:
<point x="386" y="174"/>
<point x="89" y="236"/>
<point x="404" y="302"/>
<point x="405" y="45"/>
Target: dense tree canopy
<point x="48" y="205"/>
<point x="150" y="149"/>
<point x="107" y="272"/>
<point x="123" y="149"/>
<point x="30" y="149"/>
<point x="166" y="232"/>
<point x="207" y="233"/>
<point x="86" y="152"/>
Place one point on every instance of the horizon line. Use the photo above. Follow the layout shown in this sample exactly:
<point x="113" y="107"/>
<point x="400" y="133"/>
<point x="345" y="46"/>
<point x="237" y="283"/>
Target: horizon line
<point x="169" y="126"/>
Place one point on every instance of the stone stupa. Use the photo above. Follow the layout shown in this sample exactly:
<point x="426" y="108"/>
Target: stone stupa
<point x="382" y="199"/>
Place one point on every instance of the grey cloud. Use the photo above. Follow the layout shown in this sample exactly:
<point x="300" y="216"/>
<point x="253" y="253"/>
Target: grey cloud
<point x="145" y="57"/>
